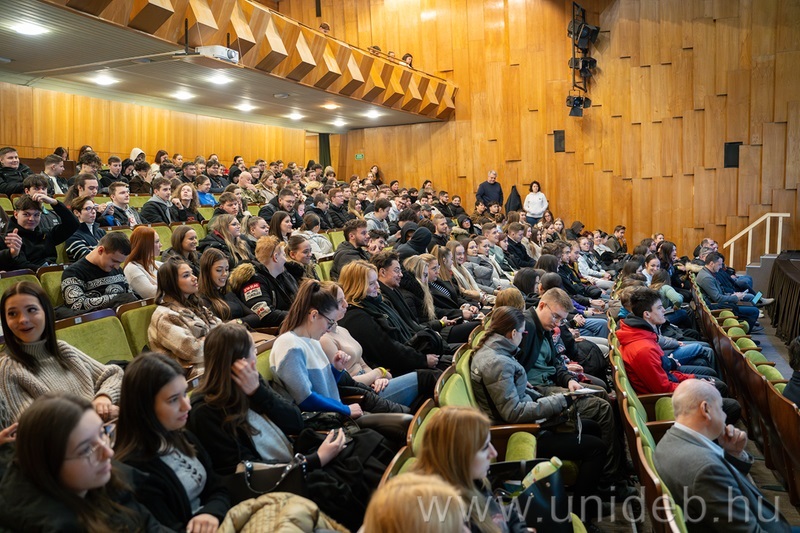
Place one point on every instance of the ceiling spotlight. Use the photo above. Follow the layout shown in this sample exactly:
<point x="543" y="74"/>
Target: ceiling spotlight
<point x="244" y="106"/>
<point x="339" y="123"/>
<point x="183" y="95"/>
<point x="577" y="104"/>
<point x="372" y="114"/>
<point x="295" y="116"/>
<point x="220" y="79"/>
<point x="331" y="106"/>
<point x="582" y="34"/>
<point x="104" y="79"/>
<point x="29" y="28"/>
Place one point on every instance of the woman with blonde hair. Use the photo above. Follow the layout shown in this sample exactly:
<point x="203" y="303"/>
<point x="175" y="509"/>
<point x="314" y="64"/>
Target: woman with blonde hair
<point x="463" y="278"/>
<point x="456" y="446"/>
<point x="141" y="266"/>
<point x="255" y="227"/>
<point x="224" y="234"/>
<point x="354" y="208"/>
<point x="399" y="506"/>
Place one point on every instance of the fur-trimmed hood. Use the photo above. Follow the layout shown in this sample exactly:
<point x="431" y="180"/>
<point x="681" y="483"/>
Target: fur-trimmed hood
<point x="240" y="275"/>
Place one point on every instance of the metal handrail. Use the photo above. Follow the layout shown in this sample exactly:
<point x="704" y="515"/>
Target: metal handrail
<point x="749" y="232"/>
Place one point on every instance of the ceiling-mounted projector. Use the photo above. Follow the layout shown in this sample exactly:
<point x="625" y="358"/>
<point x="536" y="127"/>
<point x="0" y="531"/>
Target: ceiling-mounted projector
<point x="219" y="52"/>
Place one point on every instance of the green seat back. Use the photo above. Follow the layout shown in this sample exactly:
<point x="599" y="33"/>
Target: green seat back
<point x="5" y="283"/>
<point x="165" y="234"/>
<point x="730" y="322"/>
<point x="51" y="282"/>
<point x="253" y="209"/>
<point x="745" y="343"/>
<point x="139" y="201"/>
<point x="407" y="465"/>
<point x="324" y="270"/>
<point x="336" y="238"/>
<point x="745" y="326"/>
<point x="726" y="313"/>
<point x="644" y="431"/>
<point x="6" y="204"/>
<point x="770" y="372"/>
<point x="418" y="431"/>
<point x="262" y="365"/>
<point x="521" y="447"/>
<point x="779" y="387"/>
<point x="736" y="332"/>
<point x="664" y="410"/>
<point x="61" y="250"/>
<point x="463" y="370"/>
<point x="126" y="231"/>
<point x="755" y="357"/>
<point x="207" y="212"/>
<point x="454" y="392"/>
<point x="103" y="340"/>
<point x="135" y="323"/>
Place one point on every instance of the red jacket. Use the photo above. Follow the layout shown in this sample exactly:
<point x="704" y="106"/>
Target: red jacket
<point x="642" y="356"/>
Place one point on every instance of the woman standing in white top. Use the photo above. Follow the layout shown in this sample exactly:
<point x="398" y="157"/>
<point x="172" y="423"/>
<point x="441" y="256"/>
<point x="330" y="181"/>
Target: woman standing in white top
<point x="141" y="268"/>
<point x="535" y="204"/>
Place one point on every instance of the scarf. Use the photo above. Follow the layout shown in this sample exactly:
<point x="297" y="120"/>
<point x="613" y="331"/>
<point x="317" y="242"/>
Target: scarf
<point x="377" y="307"/>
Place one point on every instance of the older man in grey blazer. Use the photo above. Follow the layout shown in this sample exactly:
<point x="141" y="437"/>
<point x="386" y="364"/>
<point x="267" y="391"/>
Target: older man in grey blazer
<point x="704" y="465"/>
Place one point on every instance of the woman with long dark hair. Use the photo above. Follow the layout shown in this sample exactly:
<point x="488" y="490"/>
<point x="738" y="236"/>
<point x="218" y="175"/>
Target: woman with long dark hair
<point x="184" y="246"/>
<point x="62" y="477"/>
<point x="182" y="490"/>
<point x="214" y="293"/>
<point x="36" y="363"/>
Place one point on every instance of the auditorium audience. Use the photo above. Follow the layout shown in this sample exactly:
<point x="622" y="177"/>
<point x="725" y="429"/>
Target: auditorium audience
<point x="712" y="291"/>
<point x="38" y="247"/>
<point x="182" y="489"/>
<point x="36" y="183"/>
<point x="224" y="234"/>
<point x="466" y="283"/>
<point x="62" y="477"/>
<point x="36" y="363"/>
<point x="299" y="261"/>
<point x="185" y="204"/>
<point x="141" y="267"/>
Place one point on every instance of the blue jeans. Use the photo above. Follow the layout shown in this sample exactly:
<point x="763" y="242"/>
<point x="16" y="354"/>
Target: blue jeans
<point x="401" y="389"/>
<point x="694" y="353"/>
<point x="744" y="283"/>
<point x="595" y="327"/>
<point x="532" y="220"/>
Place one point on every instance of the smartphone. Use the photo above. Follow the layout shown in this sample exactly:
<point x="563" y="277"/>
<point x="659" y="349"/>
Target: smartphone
<point x="756" y="298"/>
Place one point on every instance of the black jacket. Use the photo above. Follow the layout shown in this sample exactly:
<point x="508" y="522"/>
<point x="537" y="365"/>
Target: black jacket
<point x="106" y="179"/>
<point x="572" y="284"/>
<point x="213" y="240"/>
<point x="416" y="245"/>
<point x="24" y="507"/>
<point x="40" y="248"/>
<point x="226" y="448"/>
<point x="345" y="253"/>
<point x="272" y="206"/>
<point x="445" y="209"/>
<point x="83" y="241"/>
<point x="325" y="221"/>
<point x="62" y="183"/>
<point x="339" y="215"/>
<point x="163" y="494"/>
<point x="381" y="348"/>
<point x="518" y="254"/>
<point x="153" y="212"/>
<point x="436" y="239"/>
<point x="514" y="202"/>
<point x="184" y="214"/>
<point x="120" y="217"/>
<point x="269" y="297"/>
<point x="396" y="297"/>
<point x="11" y="179"/>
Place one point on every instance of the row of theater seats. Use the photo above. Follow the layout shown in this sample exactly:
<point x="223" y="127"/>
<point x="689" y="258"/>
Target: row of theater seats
<point x="514" y="442"/>
<point x="773" y="421"/>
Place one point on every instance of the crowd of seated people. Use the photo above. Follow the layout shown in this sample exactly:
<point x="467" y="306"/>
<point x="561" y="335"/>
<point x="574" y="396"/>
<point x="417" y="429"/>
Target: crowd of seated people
<point x="412" y="278"/>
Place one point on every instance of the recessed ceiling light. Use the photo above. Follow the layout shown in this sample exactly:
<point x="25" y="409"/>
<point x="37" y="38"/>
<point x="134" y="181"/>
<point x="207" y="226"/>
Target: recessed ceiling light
<point x="183" y="95"/>
<point x="220" y="79"/>
<point x="295" y="116"/>
<point x="281" y="95"/>
<point x="104" y="79"/>
<point x="245" y="107"/>
<point x="339" y="122"/>
<point x="372" y="114"/>
<point x="331" y="106"/>
<point x="29" y="28"/>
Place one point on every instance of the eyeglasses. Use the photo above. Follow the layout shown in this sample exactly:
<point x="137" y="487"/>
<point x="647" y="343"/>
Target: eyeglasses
<point x="97" y="453"/>
<point x="556" y="317"/>
<point x="331" y="322"/>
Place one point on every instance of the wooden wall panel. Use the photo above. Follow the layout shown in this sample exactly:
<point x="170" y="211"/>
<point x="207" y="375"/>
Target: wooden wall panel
<point x="47" y="119"/>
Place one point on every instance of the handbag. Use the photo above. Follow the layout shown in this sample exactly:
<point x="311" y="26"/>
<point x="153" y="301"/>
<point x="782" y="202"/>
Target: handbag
<point x="256" y="479"/>
<point x="543" y="504"/>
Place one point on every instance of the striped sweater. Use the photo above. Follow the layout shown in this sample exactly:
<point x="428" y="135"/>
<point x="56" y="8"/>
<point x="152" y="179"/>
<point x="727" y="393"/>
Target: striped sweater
<point x="83" y="377"/>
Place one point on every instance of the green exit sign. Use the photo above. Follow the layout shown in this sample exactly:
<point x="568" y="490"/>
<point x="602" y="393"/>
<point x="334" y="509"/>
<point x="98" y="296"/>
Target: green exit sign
<point x="359" y="157"/>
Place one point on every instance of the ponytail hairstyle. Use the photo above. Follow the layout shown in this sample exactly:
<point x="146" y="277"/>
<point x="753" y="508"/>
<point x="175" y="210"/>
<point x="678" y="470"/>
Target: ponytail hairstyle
<point x="503" y="320"/>
<point x="309" y="296"/>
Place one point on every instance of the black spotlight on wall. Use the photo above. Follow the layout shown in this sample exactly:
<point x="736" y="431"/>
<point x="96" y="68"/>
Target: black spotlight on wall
<point x="584" y="65"/>
<point x="582" y="33"/>
<point x="577" y="104"/>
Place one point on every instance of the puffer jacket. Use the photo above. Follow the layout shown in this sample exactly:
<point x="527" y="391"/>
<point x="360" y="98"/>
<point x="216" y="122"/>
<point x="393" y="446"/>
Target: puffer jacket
<point x="483" y="272"/>
<point x="280" y="512"/>
<point x="11" y="179"/>
<point x="500" y="386"/>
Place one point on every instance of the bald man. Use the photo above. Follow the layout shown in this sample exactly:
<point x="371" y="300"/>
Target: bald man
<point x="704" y="464"/>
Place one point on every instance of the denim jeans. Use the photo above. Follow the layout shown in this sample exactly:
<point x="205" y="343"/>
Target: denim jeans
<point x="595" y="327"/>
<point x="694" y="353"/>
<point x="401" y="389"/>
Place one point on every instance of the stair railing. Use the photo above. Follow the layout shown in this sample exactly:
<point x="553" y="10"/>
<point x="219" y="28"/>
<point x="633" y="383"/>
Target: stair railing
<point x="749" y="232"/>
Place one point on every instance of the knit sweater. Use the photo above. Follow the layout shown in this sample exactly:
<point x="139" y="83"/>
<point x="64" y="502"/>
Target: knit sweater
<point x="179" y="332"/>
<point x="82" y="376"/>
<point x="84" y="240"/>
<point x="87" y="287"/>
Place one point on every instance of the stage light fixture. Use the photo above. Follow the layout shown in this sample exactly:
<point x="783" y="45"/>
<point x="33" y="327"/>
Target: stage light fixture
<point x="582" y="34"/>
<point x="585" y="65"/>
<point x="577" y="104"/>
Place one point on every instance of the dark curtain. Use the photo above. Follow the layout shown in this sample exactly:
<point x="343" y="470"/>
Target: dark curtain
<point x="324" y="149"/>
